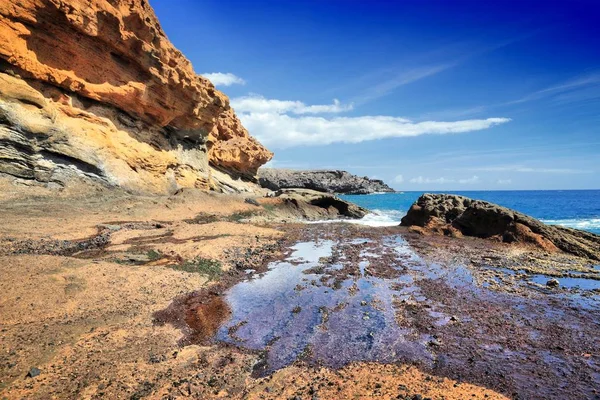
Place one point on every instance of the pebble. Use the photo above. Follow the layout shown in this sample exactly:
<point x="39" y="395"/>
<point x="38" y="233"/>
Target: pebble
<point x="33" y="372"/>
<point x="553" y="283"/>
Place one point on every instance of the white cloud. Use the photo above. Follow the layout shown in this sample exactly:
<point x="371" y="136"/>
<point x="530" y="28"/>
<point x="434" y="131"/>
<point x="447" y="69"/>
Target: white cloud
<point x="504" y="181"/>
<point x="281" y="131"/>
<point x="224" y="79"/>
<point x="521" y="168"/>
<point x="421" y="180"/>
<point x="473" y="179"/>
<point x="258" y="104"/>
<point x="399" y="179"/>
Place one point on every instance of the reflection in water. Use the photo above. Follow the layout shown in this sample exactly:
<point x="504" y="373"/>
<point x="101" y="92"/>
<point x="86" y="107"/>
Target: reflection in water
<point x="569" y="282"/>
<point x="334" y="302"/>
<point x="205" y="319"/>
<point x="292" y="311"/>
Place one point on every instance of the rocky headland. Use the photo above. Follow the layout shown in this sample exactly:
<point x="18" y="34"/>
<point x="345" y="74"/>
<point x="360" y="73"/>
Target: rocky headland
<point x="139" y="257"/>
<point x="341" y="182"/>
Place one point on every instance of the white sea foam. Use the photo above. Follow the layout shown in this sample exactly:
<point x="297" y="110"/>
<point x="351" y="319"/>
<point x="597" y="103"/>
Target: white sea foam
<point x="374" y="218"/>
<point x="585" y="224"/>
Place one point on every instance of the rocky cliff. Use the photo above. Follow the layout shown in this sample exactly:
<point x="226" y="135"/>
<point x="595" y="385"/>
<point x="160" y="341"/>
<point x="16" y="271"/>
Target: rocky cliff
<point x="95" y="89"/>
<point x="323" y="181"/>
<point x="458" y="215"/>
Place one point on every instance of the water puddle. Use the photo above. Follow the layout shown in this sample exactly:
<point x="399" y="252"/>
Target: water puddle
<point x="295" y="311"/>
<point x="568" y="282"/>
<point x="574" y="279"/>
<point x="332" y="302"/>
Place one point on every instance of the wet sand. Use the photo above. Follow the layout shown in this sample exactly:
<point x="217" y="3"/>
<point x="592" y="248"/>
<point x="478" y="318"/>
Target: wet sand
<point x="345" y="294"/>
<point x="124" y="300"/>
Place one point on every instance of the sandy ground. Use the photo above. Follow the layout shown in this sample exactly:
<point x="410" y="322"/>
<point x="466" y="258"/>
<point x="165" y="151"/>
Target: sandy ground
<point x="82" y="319"/>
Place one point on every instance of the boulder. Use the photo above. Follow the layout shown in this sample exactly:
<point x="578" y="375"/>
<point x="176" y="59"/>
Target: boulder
<point x="453" y="214"/>
<point x="312" y="205"/>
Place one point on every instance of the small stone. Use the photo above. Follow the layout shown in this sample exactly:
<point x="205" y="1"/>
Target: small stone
<point x="249" y="200"/>
<point x="363" y="303"/>
<point x="112" y="228"/>
<point x="33" y="372"/>
<point x="553" y="283"/>
<point x="138" y="258"/>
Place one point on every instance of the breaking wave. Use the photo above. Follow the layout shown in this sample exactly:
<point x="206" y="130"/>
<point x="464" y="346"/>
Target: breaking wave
<point x="590" y="224"/>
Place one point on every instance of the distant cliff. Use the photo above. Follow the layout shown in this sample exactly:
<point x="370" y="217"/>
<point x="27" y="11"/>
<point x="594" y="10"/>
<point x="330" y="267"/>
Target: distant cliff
<point x="95" y="89"/>
<point x="323" y="181"/>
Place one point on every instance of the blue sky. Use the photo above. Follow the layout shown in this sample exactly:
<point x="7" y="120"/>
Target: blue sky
<point x="427" y="95"/>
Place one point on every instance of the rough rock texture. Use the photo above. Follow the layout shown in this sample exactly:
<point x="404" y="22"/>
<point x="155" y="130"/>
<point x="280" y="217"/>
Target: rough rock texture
<point x="312" y="205"/>
<point x="96" y="89"/>
<point x="458" y="215"/>
<point x="323" y="181"/>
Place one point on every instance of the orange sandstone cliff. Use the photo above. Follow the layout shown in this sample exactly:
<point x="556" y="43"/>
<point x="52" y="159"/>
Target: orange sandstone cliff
<point x="93" y="89"/>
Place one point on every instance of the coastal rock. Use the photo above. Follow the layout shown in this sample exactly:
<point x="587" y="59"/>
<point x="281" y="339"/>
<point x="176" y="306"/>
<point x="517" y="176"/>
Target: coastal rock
<point x="323" y="181"/>
<point x="458" y="215"/>
<point x="312" y="205"/>
<point x="95" y="89"/>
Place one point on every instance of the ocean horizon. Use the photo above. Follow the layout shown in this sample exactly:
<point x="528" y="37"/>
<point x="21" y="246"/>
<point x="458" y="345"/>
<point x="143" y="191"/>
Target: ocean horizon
<point x="579" y="209"/>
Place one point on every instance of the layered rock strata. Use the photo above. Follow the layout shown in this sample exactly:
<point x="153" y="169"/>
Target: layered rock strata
<point x="95" y="89"/>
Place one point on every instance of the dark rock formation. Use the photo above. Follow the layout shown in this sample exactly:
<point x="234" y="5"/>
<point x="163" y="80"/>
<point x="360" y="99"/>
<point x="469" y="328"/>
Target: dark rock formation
<point x="458" y="215"/>
<point x="312" y="205"/>
<point x="323" y="181"/>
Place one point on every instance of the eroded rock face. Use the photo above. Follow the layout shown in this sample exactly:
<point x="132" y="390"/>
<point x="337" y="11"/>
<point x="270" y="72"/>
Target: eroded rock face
<point x="323" y="181"/>
<point x="313" y="205"/>
<point x="95" y="88"/>
<point x="457" y="215"/>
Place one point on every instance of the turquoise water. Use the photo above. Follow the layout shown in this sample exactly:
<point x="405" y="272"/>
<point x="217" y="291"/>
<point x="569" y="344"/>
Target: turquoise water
<point x="573" y="208"/>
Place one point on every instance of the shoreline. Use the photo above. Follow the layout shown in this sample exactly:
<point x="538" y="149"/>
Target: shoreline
<point x="155" y="256"/>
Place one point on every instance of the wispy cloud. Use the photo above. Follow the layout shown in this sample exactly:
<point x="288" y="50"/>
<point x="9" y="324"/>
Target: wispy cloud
<point x="384" y="81"/>
<point x="224" y="79"/>
<point x="442" y="180"/>
<point x="561" y="89"/>
<point x="398" y="79"/>
<point x="399" y="179"/>
<point x="576" y="90"/>
<point x="258" y="104"/>
<point x="504" y="181"/>
<point x="522" y="168"/>
<point x="283" y="131"/>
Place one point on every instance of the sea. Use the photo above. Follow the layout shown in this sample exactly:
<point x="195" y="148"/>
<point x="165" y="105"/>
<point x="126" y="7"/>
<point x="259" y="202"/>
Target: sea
<point x="578" y="209"/>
